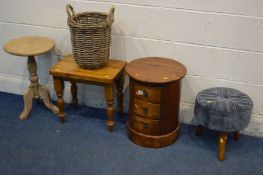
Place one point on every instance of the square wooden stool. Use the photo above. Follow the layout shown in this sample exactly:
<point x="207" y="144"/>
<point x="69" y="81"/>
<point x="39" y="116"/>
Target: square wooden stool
<point x="108" y="76"/>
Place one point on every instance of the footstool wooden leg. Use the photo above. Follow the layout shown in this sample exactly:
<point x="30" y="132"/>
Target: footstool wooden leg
<point x="108" y="90"/>
<point x="236" y="135"/>
<point x="28" y="97"/>
<point x="199" y="130"/>
<point x="119" y="85"/>
<point x="59" y="88"/>
<point x="74" y="92"/>
<point x="222" y="146"/>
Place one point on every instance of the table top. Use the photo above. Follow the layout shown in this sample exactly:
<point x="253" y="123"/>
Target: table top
<point x="68" y="68"/>
<point x="29" y="46"/>
<point x="156" y="70"/>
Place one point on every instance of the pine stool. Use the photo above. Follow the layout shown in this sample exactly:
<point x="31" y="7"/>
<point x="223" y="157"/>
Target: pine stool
<point x="30" y="47"/>
<point x="108" y="76"/>
<point x="225" y="110"/>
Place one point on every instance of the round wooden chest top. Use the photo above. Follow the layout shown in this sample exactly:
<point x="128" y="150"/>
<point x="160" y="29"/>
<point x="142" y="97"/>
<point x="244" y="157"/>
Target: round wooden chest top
<point x="29" y="46"/>
<point x="156" y="70"/>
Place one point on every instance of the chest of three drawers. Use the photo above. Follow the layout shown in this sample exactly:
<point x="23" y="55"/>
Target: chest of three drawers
<point x="155" y="86"/>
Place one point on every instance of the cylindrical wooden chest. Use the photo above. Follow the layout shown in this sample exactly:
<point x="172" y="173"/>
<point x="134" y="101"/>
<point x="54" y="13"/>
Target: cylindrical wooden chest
<point x="155" y="87"/>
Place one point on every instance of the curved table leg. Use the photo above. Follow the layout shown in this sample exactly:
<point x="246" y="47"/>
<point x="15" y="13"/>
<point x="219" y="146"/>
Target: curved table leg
<point x="35" y="90"/>
<point x="44" y="93"/>
<point x="28" y="97"/>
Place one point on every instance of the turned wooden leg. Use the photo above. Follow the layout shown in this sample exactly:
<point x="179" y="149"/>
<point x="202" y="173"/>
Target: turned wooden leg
<point x="39" y="92"/>
<point x="28" y="97"/>
<point x="199" y="130"/>
<point x="119" y="85"/>
<point x="222" y="146"/>
<point x="108" y="90"/>
<point x="33" y="77"/>
<point x="44" y="93"/>
<point x="236" y="135"/>
<point x="74" y="92"/>
<point x="59" y="88"/>
<point x="32" y="90"/>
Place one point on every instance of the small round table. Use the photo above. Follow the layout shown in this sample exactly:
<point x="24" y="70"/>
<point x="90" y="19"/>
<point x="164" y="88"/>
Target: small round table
<point x="30" y="47"/>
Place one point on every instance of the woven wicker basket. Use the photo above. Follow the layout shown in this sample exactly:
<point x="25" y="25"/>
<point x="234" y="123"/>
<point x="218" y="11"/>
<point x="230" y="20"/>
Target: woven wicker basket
<point x="90" y="37"/>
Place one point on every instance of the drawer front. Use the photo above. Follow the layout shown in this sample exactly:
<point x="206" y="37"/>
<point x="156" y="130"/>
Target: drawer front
<point x="150" y="127"/>
<point x="147" y="93"/>
<point x="149" y="110"/>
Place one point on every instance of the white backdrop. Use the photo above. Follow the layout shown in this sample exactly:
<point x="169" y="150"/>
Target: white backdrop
<point x="219" y="41"/>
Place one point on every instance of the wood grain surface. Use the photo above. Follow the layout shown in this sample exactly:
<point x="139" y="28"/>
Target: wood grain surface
<point x="155" y="70"/>
<point x="67" y="68"/>
<point x="154" y="103"/>
<point x="29" y="46"/>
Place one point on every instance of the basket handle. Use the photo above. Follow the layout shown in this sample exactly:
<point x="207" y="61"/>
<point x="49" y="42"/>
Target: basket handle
<point x="110" y="18"/>
<point x="70" y="11"/>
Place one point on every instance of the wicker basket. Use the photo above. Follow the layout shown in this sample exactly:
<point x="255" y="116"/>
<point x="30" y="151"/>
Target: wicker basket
<point x="90" y="37"/>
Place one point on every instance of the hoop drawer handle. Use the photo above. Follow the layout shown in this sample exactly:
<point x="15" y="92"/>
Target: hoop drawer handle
<point x="145" y="110"/>
<point x="142" y="92"/>
<point x="145" y="126"/>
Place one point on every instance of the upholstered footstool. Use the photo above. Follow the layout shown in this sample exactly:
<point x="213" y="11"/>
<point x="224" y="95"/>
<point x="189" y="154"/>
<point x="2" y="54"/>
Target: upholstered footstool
<point x="225" y="110"/>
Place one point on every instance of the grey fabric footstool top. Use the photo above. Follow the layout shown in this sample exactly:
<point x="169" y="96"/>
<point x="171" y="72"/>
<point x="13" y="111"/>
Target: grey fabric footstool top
<point x="223" y="109"/>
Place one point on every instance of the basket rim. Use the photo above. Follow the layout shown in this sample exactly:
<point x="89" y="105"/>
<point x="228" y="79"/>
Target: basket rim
<point x="91" y="12"/>
<point x="73" y="23"/>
